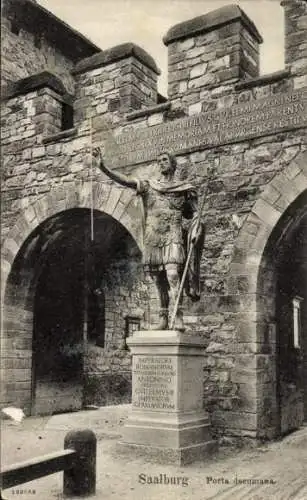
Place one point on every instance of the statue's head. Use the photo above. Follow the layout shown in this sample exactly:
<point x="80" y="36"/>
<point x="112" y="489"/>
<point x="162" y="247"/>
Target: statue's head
<point x="167" y="163"/>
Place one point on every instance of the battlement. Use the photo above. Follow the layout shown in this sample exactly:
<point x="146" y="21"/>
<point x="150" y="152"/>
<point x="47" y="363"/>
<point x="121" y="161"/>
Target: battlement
<point x="209" y="56"/>
<point x="212" y="59"/>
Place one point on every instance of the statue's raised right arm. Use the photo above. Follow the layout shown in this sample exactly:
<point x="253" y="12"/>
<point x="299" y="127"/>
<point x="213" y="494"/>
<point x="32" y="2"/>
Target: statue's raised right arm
<point x="115" y="176"/>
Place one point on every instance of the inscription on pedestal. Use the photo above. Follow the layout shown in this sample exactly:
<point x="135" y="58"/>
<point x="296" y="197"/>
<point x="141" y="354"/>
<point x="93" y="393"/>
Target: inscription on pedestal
<point x="154" y="382"/>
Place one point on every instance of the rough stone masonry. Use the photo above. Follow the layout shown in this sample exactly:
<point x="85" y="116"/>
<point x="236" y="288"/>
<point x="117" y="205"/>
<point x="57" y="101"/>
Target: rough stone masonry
<point x="73" y="286"/>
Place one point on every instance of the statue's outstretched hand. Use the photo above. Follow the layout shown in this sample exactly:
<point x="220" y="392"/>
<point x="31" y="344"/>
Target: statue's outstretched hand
<point x="97" y="154"/>
<point x="122" y="179"/>
<point x="98" y="157"/>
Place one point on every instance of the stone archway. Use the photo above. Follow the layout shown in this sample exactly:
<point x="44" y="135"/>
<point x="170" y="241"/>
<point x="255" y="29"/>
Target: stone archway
<point x="23" y="261"/>
<point x="270" y="224"/>
<point x="121" y="204"/>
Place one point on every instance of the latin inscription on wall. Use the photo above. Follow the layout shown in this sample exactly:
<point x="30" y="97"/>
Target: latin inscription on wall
<point x="240" y="122"/>
<point x="153" y="382"/>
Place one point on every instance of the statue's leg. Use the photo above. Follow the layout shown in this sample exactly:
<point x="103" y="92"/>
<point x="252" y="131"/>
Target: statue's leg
<point x="160" y="280"/>
<point x="173" y="272"/>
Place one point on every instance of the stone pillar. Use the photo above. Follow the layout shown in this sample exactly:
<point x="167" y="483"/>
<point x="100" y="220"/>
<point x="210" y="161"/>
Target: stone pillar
<point x="16" y="342"/>
<point x="37" y="103"/>
<point x="49" y="109"/>
<point x="118" y="80"/>
<point x="168" y="423"/>
<point x="217" y="48"/>
<point x="296" y="39"/>
<point x="80" y="480"/>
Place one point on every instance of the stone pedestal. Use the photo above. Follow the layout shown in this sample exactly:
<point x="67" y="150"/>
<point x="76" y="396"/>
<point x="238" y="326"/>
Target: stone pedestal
<point x="167" y="422"/>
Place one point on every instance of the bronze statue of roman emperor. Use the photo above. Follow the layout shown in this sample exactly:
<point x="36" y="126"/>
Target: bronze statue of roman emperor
<point x="171" y="226"/>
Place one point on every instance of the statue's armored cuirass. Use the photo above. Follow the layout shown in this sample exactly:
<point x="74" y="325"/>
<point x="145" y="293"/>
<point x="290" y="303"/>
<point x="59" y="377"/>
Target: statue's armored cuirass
<point x="163" y="239"/>
<point x="163" y="223"/>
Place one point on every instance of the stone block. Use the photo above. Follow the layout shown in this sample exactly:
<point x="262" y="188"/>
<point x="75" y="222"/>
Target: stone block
<point x="198" y="70"/>
<point x="16" y="374"/>
<point x="177" y="57"/>
<point x="300" y="82"/>
<point x="38" y="152"/>
<point x="102" y="108"/>
<point x="207" y="39"/>
<point x="294" y="40"/>
<point x="195" y="108"/>
<point x="219" y="63"/>
<point x="30" y="215"/>
<point x="299" y="67"/>
<point x="235" y="420"/>
<point x="182" y="87"/>
<point x="180" y="457"/>
<point x="202" y="81"/>
<point x="195" y="52"/>
<point x="266" y="212"/>
<point x="16" y="363"/>
<point x="113" y="199"/>
<point x="299" y="181"/>
<point x="11" y="249"/>
<point x="289" y="190"/>
<point x="179" y="75"/>
<point x="248" y="396"/>
<point x="155" y="119"/>
<point x="167" y="416"/>
<point x="187" y="44"/>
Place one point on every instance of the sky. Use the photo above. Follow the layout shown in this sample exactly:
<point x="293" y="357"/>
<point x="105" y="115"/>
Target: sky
<point x="145" y="22"/>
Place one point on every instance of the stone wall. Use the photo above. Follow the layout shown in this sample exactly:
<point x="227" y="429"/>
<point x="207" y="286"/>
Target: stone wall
<point x="108" y="369"/>
<point x="35" y="40"/>
<point x="21" y="57"/>
<point x="248" y="185"/>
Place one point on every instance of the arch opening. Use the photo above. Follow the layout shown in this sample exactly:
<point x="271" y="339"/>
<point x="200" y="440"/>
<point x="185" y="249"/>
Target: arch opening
<point x="64" y="312"/>
<point x="282" y="320"/>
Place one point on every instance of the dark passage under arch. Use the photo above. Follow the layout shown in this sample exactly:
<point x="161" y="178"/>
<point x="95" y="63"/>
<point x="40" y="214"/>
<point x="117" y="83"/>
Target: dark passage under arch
<point x="55" y="306"/>
<point x="282" y="305"/>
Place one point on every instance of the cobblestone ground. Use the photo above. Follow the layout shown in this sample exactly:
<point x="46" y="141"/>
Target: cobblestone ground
<point x="283" y="463"/>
